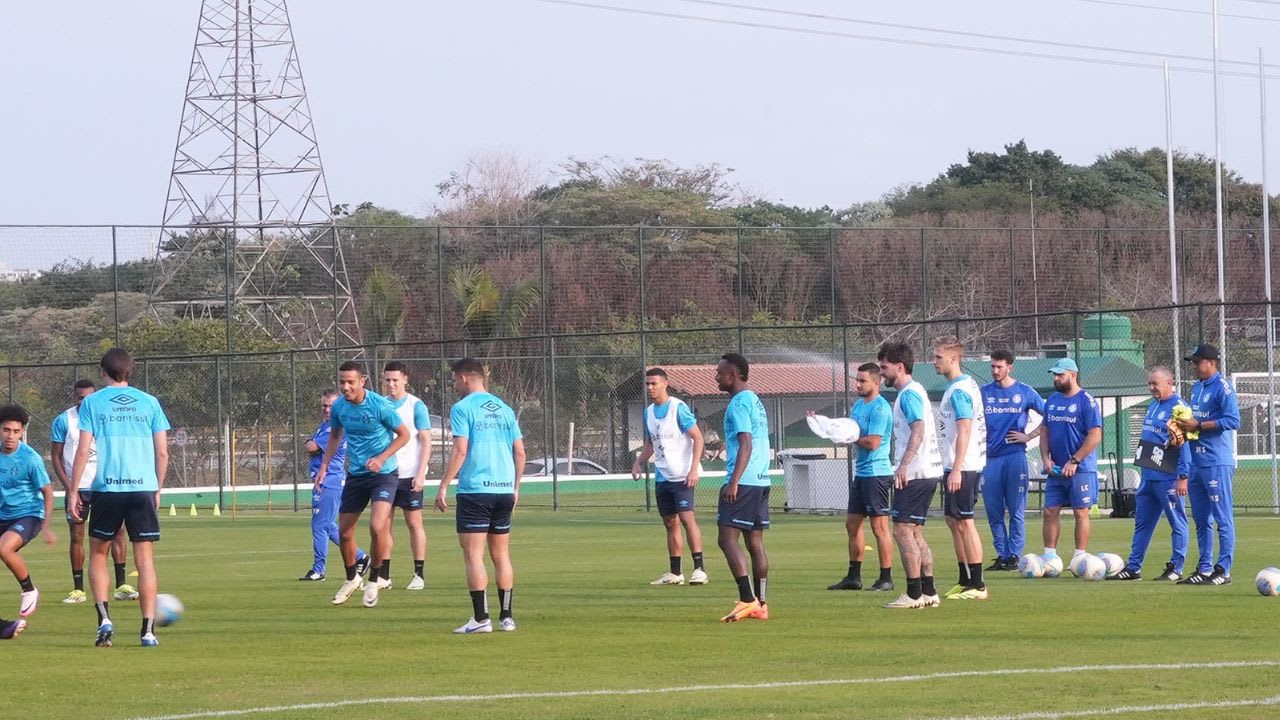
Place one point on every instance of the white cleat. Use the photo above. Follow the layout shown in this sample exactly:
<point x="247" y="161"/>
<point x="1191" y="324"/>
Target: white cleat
<point x="669" y="579"/>
<point x="507" y="624"/>
<point x="371" y="589"/>
<point x="417" y="583"/>
<point x="904" y="602"/>
<point x="931" y="601"/>
<point x="28" y="603"/>
<point x="699" y="577"/>
<point x="346" y="590"/>
<point x="472" y="627"/>
<point x="384" y="583"/>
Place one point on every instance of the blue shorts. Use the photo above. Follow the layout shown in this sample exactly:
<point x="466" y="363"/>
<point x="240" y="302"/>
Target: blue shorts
<point x="960" y="504"/>
<point x="361" y="490"/>
<point x="1080" y="491"/>
<point x="749" y="511"/>
<point x="86" y="504"/>
<point x="485" y="512"/>
<point x="870" y="496"/>
<point x="406" y="498"/>
<point x="673" y="497"/>
<point x="911" y="503"/>
<point x="26" y="528"/>
<point x="134" y="511"/>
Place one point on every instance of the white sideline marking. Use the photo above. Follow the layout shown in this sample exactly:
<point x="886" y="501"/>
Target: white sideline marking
<point x="624" y="692"/>
<point x="161" y="556"/>
<point x="655" y="521"/>
<point x="1125" y="710"/>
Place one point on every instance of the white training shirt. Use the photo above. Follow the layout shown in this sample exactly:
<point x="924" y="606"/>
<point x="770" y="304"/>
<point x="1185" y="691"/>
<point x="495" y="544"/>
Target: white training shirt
<point x="975" y="456"/>
<point x="672" y="449"/>
<point x="928" y="462"/>
<point x="408" y="457"/>
<point x="69" y="445"/>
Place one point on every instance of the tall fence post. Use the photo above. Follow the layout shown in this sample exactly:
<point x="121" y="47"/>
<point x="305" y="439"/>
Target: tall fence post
<point x="644" y="359"/>
<point x="924" y="293"/>
<point x="222" y="444"/>
<point x="555" y="447"/>
<point x="742" y="295"/>
<point x="293" y="422"/>
<point x="115" y="284"/>
<point x="1200" y="323"/>
<point x="1013" y="294"/>
<point x="1100" y="303"/>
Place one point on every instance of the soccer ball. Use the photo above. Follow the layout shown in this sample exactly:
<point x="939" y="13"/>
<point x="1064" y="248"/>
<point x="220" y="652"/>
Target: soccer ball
<point x="1052" y="565"/>
<point x="1092" y="568"/>
<point x="1268" y="581"/>
<point x="1114" y="563"/>
<point x="1030" y="566"/>
<point x="168" y="609"/>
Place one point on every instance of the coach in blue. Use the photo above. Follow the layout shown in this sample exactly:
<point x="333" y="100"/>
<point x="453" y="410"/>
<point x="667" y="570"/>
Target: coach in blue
<point x="1007" y="404"/>
<point x="1211" y="431"/>
<point x="1165" y="460"/>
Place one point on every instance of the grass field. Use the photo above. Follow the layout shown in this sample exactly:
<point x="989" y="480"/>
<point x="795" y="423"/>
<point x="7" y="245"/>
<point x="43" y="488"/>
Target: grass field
<point x="596" y="641"/>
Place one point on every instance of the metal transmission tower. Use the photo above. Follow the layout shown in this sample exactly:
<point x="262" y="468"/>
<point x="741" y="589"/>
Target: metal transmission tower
<point x="247" y="232"/>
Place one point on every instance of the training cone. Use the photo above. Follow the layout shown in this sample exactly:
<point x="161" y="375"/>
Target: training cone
<point x="173" y="510"/>
<point x="217" y="511"/>
<point x="193" y="510"/>
<point x="867" y="549"/>
<point x="133" y="574"/>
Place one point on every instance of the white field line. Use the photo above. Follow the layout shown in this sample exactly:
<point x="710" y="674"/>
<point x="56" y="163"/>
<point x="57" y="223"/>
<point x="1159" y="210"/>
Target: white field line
<point x="629" y="692"/>
<point x="1126" y="710"/>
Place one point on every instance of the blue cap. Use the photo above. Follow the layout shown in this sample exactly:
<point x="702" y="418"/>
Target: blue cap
<point x="1064" y="365"/>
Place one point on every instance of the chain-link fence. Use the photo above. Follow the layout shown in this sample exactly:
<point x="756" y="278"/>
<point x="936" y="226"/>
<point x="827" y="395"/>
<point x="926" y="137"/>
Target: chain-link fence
<point x="240" y="420"/>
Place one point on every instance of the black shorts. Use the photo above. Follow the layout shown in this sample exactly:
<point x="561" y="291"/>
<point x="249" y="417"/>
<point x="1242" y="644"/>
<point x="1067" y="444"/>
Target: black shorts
<point x="86" y="504"/>
<point x="485" y="512"/>
<point x="870" y="496"/>
<point x="26" y="528"/>
<point x="960" y="504"/>
<point x="750" y="511"/>
<point x="673" y="497"/>
<point x="360" y="490"/>
<point x="406" y="498"/>
<point x="911" y="503"/>
<point x="135" y="510"/>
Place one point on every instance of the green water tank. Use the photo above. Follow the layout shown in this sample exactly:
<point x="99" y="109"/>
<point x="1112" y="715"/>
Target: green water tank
<point x="1106" y="326"/>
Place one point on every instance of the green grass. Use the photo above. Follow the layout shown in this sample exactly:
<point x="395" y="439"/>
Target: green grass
<point x="253" y="636"/>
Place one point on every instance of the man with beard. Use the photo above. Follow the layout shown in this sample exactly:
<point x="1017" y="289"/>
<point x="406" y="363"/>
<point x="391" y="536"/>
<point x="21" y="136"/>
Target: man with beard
<point x="1068" y="447"/>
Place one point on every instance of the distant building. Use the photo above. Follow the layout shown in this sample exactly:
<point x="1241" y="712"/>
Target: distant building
<point x="17" y="274"/>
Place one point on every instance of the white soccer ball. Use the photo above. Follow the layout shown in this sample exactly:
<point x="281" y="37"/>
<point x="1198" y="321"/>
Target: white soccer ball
<point x="1268" y="581"/>
<point x="1077" y="563"/>
<point x="841" y="430"/>
<point x="168" y="609"/>
<point x="1030" y="566"/>
<point x="1092" y="568"/>
<point x="1052" y="566"/>
<point x="1114" y="563"/>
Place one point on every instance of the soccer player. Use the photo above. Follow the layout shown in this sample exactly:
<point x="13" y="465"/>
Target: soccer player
<point x="1216" y="416"/>
<point x="325" y="498"/>
<point x="872" y="481"/>
<point x="412" y="460"/>
<point x="65" y="437"/>
<point x="1160" y="491"/>
<point x="26" y="501"/>
<point x="1008" y="408"/>
<point x="963" y="429"/>
<point x="487" y="459"/>
<point x="674" y="441"/>
<point x="917" y="471"/>
<point x="744" y="498"/>
<point x="1068" y="445"/>
<point x="374" y="432"/>
<point x="130" y="433"/>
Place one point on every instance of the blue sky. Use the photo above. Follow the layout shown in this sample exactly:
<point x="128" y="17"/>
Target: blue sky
<point x="403" y="92"/>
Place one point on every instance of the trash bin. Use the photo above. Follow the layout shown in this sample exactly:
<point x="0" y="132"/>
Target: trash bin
<point x="815" y="483"/>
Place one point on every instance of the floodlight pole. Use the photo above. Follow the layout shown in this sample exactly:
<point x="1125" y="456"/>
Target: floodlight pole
<point x="1173" y="238"/>
<point x="1217" y="177"/>
<point x="1266" y="271"/>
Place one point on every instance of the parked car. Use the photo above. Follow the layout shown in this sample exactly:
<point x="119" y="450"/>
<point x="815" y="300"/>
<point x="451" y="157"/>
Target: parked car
<point x="541" y="467"/>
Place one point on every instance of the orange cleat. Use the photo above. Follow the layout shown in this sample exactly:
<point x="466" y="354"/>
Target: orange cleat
<point x="742" y="610"/>
<point x="761" y="614"/>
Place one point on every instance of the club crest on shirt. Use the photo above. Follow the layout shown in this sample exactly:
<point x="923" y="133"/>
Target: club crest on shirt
<point x="1072" y="408"/>
<point x="1017" y="397"/>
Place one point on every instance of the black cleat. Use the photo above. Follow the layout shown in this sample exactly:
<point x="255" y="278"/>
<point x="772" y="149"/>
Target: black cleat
<point x="881" y="585"/>
<point x="1218" y="577"/>
<point x="997" y="564"/>
<point x="312" y="576"/>
<point x="1169" y="574"/>
<point x="1127" y="574"/>
<point x="362" y="566"/>
<point x="1195" y="578"/>
<point x="848" y="582"/>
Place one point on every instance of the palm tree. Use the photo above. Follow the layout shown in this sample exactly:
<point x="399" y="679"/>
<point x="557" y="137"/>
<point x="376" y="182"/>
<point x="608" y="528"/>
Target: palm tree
<point x="383" y="307"/>
<point x="488" y="311"/>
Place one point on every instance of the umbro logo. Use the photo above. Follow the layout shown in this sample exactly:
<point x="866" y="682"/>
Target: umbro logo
<point x="123" y="399"/>
<point x="491" y="406"/>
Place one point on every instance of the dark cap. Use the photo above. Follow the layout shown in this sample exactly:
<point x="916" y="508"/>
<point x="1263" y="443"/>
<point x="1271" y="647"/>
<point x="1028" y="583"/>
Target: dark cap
<point x="1203" y="352"/>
